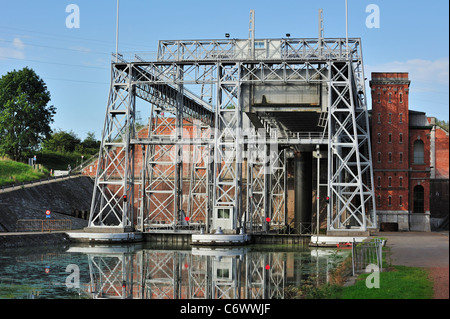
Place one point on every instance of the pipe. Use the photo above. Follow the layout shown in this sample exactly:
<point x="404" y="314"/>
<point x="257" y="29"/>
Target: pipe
<point x="303" y="190"/>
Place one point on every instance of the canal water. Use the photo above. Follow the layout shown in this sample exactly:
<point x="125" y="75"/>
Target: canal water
<point x="141" y="271"/>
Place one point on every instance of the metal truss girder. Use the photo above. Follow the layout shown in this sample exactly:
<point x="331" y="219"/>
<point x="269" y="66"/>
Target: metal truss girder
<point x="349" y="188"/>
<point x="227" y="189"/>
<point x="278" y="189"/>
<point x="160" y="189"/>
<point x="114" y="180"/>
<point x="257" y="188"/>
<point x="294" y="139"/>
<point x="206" y="73"/>
<point x="266" y="183"/>
<point x="158" y="87"/>
<point x="198" y="203"/>
<point x="275" y="49"/>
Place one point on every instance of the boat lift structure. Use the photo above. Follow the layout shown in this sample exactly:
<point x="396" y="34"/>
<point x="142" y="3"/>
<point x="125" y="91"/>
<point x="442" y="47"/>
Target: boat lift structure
<point x="251" y="105"/>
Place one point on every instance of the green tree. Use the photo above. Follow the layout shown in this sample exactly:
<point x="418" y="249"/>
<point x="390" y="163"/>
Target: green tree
<point x="25" y="115"/>
<point x="442" y="123"/>
<point x="90" y="144"/>
<point x="62" y="141"/>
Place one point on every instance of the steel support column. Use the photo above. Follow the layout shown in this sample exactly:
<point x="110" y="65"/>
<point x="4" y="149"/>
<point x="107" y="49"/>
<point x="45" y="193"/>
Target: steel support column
<point x="113" y="195"/>
<point x="228" y="140"/>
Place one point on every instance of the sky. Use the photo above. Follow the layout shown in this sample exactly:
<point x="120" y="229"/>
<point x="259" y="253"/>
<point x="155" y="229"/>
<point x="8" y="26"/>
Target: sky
<point x="74" y="60"/>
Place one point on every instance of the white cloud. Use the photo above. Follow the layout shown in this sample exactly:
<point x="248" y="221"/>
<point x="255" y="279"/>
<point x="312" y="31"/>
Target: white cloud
<point x="8" y="53"/>
<point x="14" y="51"/>
<point x="18" y="44"/>
<point x="420" y="70"/>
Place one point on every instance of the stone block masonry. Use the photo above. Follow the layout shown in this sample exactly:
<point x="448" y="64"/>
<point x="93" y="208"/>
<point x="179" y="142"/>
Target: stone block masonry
<point x="62" y="198"/>
<point x="42" y="240"/>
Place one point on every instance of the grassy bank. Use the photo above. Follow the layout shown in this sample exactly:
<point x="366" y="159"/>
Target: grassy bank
<point x="12" y="172"/>
<point x="395" y="282"/>
<point x="399" y="282"/>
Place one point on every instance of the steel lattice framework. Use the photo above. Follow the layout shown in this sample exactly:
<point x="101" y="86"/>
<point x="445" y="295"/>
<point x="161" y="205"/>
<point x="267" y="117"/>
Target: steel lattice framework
<point x="223" y="70"/>
<point x="162" y="274"/>
<point x="129" y="272"/>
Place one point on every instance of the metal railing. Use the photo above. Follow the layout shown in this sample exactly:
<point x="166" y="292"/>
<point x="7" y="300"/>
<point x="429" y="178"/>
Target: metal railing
<point x="155" y="227"/>
<point x="43" y="225"/>
<point x="37" y="181"/>
<point x="367" y="253"/>
<point x="281" y="228"/>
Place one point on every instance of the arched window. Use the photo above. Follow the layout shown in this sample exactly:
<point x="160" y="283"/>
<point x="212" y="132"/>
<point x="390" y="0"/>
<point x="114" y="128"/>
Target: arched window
<point x="418" y="152"/>
<point x="418" y="199"/>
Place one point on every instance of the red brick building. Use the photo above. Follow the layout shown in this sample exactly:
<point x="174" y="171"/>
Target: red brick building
<point x="408" y="151"/>
<point x="439" y="183"/>
<point x="439" y="151"/>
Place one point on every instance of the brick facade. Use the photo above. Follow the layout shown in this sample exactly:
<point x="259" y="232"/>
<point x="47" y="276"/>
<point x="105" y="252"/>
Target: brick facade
<point x="407" y="152"/>
<point x="441" y="151"/>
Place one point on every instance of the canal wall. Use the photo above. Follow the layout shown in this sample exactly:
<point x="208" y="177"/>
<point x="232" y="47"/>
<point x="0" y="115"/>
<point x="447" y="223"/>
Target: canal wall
<point x="172" y="240"/>
<point x="62" y="197"/>
<point x="177" y="239"/>
<point x="41" y="240"/>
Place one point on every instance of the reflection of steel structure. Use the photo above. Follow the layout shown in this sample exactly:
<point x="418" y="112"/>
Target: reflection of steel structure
<point x="199" y="274"/>
<point x="202" y="273"/>
<point x="266" y="276"/>
<point x="256" y="98"/>
<point x="111" y="276"/>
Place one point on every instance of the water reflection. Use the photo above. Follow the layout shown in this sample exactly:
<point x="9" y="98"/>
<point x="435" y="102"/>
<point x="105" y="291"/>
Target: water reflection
<point x="143" y="272"/>
<point x="202" y="273"/>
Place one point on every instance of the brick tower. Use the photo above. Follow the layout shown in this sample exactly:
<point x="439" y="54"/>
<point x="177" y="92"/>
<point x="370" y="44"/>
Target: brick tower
<point x="400" y="153"/>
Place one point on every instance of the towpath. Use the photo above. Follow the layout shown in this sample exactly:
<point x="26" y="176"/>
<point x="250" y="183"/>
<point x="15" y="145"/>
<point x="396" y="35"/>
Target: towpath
<point x="422" y="249"/>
